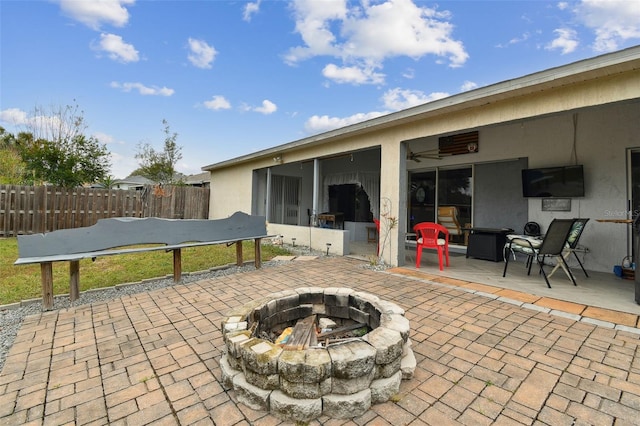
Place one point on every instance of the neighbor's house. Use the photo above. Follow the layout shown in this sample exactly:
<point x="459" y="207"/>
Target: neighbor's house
<point x="200" y="180"/>
<point x="467" y="150"/>
<point x="132" y="182"/>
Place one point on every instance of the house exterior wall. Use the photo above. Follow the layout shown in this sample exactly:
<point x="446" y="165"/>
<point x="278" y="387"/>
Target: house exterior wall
<point x="230" y="192"/>
<point x="538" y="126"/>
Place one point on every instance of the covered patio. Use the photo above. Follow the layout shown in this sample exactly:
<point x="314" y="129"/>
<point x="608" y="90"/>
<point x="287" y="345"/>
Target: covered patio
<point x="600" y="289"/>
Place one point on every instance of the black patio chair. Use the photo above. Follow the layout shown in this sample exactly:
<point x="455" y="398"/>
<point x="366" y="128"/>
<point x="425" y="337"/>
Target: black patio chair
<point x="572" y="244"/>
<point x="553" y="244"/>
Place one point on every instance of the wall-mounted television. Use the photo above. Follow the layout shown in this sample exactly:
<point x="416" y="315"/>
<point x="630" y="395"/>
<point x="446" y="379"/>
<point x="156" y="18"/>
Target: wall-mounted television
<point x="560" y="182"/>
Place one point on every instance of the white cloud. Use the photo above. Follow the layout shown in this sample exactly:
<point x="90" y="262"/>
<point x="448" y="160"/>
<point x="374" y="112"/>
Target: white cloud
<point x="94" y="13"/>
<point x="217" y="103"/>
<point x="202" y="54"/>
<point x="117" y="49"/>
<point x="516" y="40"/>
<point x="566" y="41"/>
<point x="106" y="139"/>
<point x="613" y="21"/>
<point x="122" y="165"/>
<point x="13" y="116"/>
<point x="394" y="100"/>
<point x="266" y="108"/>
<point x="189" y="168"/>
<point x="324" y="123"/>
<point x="142" y="89"/>
<point x="251" y="9"/>
<point x="409" y="74"/>
<point x="38" y="122"/>
<point x="468" y="85"/>
<point x="353" y="75"/>
<point x="398" y="99"/>
<point x="313" y="22"/>
<point x="373" y="32"/>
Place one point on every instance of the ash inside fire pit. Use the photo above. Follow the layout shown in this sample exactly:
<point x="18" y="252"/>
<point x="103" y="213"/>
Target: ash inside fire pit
<point x="309" y="352"/>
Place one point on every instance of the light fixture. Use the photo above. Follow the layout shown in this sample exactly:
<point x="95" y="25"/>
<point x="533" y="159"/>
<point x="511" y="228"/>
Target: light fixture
<point x="352" y="158"/>
<point x="293" y="240"/>
<point x="277" y="159"/>
<point x="328" y="246"/>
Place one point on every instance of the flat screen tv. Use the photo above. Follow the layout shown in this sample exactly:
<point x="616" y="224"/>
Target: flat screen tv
<point x="560" y="182"/>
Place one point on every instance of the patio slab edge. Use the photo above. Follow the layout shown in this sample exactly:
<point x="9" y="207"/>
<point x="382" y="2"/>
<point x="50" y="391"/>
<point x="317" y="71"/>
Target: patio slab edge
<point x="594" y="315"/>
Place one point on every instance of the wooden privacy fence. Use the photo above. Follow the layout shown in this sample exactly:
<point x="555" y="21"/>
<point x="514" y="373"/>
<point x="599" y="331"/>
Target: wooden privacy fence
<point x="39" y="209"/>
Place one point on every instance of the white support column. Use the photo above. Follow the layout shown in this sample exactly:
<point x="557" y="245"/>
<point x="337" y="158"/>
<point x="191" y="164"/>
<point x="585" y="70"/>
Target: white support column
<point x="402" y="204"/>
<point x="391" y="179"/>
<point x="267" y="212"/>
<point x="316" y="191"/>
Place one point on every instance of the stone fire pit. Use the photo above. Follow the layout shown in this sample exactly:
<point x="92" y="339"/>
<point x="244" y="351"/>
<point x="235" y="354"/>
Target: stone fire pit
<point x="339" y="379"/>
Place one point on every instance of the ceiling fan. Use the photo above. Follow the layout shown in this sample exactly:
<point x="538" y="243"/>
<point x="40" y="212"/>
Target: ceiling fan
<point x="432" y="154"/>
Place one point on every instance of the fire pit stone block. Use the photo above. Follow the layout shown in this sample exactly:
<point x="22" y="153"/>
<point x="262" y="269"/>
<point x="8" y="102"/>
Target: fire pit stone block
<point x="352" y="360"/>
<point x="292" y="409"/>
<point x="250" y="395"/>
<point x="337" y="296"/>
<point x="389" y="369"/>
<point x="383" y="389"/>
<point x="228" y="372"/>
<point x="302" y="390"/>
<point x="346" y="406"/>
<point x="311" y="366"/>
<point x="396" y="322"/>
<point x="387" y="342"/>
<point x="260" y="356"/>
<point x="312" y="295"/>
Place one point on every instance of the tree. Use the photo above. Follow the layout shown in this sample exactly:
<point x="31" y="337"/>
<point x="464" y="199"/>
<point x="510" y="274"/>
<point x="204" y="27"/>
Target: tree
<point x="107" y="181"/>
<point x="71" y="163"/>
<point x="12" y="168"/>
<point x="159" y="166"/>
<point x="56" y="150"/>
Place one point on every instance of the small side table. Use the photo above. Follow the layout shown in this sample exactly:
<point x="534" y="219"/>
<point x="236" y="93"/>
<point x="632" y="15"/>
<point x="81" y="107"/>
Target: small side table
<point x="487" y="243"/>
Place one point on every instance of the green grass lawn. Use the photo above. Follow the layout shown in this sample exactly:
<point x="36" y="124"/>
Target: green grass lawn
<point x="23" y="282"/>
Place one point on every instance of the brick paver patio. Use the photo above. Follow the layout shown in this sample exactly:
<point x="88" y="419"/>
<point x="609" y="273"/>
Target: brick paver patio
<point x="153" y="358"/>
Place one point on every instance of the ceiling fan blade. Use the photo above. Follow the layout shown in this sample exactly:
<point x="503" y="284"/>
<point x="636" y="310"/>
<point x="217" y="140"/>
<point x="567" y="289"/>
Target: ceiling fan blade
<point x="412" y="156"/>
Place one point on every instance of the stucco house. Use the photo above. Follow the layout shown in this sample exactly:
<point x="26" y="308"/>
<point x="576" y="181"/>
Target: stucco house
<point x="468" y="151"/>
<point x="132" y="182"/>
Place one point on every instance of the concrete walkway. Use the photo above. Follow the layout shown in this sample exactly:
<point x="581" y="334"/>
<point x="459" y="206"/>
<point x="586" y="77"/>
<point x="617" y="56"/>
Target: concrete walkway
<point x="153" y="358"/>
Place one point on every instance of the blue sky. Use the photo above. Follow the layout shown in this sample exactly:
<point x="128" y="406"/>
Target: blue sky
<point x="234" y="77"/>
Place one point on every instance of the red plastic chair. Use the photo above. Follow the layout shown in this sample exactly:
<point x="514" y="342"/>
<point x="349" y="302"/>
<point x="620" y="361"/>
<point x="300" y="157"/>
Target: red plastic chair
<point x="428" y="236"/>
<point x="377" y="222"/>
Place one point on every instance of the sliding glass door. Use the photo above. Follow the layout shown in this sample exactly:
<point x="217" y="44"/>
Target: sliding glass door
<point x="285" y="208"/>
<point x="454" y="189"/>
<point x="444" y="187"/>
<point x="422" y="198"/>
